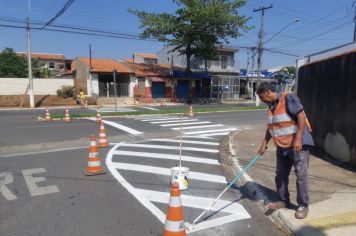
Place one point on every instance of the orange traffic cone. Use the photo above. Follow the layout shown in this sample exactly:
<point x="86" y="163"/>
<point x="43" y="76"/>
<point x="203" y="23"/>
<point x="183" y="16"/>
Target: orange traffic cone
<point x="94" y="165"/>
<point x="103" y="142"/>
<point x="48" y="115"/>
<point x="174" y="225"/>
<point x="98" y="116"/>
<point x="67" y="118"/>
<point x="191" y="114"/>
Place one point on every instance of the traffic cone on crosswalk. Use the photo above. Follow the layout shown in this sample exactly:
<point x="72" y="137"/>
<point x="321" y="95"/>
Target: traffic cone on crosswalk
<point x="48" y="115"/>
<point x="174" y="225"/>
<point x="98" y="116"/>
<point x="67" y="118"/>
<point x="103" y="142"/>
<point x="191" y="114"/>
<point x="94" y="165"/>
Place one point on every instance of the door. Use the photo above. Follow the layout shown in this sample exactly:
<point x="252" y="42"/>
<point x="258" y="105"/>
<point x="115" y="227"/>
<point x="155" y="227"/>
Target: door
<point x="182" y="89"/>
<point x="158" y="89"/>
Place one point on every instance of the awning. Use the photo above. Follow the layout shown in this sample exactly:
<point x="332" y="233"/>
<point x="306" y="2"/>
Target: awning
<point x="157" y="79"/>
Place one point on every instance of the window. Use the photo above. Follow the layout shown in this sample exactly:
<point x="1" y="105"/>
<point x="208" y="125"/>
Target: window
<point x="51" y="65"/>
<point x="224" y="62"/>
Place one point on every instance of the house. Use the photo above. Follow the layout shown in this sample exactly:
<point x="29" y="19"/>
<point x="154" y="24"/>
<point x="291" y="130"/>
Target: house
<point x="152" y="81"/>
<point x="98" y="77"/>
<point x="144" y="58"/>
<point x="56" y="64"/>
<point x="219" y="76"/>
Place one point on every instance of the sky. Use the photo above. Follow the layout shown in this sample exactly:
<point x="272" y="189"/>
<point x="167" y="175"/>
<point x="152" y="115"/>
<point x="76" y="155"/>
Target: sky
<point x="292" y="28"/>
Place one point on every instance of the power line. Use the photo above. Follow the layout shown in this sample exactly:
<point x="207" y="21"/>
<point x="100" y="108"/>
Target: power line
<point x="315" y="36"/>
<point x="79" y="32"/>
<point x="60" y="12"/>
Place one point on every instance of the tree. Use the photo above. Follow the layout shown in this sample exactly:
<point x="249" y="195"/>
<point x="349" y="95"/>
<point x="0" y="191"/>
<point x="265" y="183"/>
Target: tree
<point x="12" y="65"/>
<point x="290" y="71"/>
<point x="15" y="66"/>
<point x="196" y="28"/>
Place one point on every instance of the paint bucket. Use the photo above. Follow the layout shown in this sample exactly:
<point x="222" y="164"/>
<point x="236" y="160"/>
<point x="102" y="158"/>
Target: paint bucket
<point x="180" y="175"/>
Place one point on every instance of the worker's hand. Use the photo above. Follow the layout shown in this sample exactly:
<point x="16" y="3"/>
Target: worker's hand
<point x="262" y="149"/>
<point x="297" y="145"/>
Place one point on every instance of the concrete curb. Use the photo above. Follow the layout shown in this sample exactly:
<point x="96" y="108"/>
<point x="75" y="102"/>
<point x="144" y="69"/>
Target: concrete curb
<point x="253" y="190"/>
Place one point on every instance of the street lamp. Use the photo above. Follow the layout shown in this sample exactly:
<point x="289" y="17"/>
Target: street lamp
<point x="260" y="51"/>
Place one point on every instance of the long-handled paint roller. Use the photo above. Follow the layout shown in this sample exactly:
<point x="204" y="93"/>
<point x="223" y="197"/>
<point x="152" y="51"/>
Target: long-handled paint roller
<point x="232" y="182"/>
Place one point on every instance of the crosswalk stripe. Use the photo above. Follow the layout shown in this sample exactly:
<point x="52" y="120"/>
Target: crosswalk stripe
<point x="172" y="121"/>
<point x="119" y="126"/>
<point x="168" y="147"/>
<point x="195" y="202"/>
<point x="184" y="141"/>
<point x="157" y="119"/>
<point x="166" y="156"/>
<point x="167" y="171"/>
<point x="215" y="134"/>
<point x="210" y="131"/>
<point x="186" y="123"/>
<point x="197" y="137"/>
<point x="198" y="127"/>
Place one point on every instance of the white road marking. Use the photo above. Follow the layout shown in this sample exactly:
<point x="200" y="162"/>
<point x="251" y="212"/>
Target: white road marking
<point x="215" y="134"/>
<point x="186" y="123"/>
<point x="120" y="127"/>
<point x="172" y="121"/>
<point x="166" y="156"/>
<point x="168" y="147"/>
<point x="7" y="179"/>
<point x="157" y="119"/>
<point x="184" y="141"/>
<point x="167" y="171"/>
<point x="210" y="131"/>
<point x="141" y="196"/>
<point x="198" y="127"/>
<point x="144" y="201"/>
<point x="196" y="202"/>
<point x="31" y="181"/>
<point x="197" y="137"/>
<point x="151" y="108"/>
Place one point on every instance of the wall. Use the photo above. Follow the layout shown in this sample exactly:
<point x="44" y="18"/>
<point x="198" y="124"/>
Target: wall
<point x="327" y="91"/>
<point x="17" y="86"/>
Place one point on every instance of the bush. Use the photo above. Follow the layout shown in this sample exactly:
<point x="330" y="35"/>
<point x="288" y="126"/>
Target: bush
<point x="66" y="92"/>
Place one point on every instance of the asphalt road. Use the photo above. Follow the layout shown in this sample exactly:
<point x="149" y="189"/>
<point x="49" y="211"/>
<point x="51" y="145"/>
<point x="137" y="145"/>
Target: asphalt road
<point x="43" y="190"/>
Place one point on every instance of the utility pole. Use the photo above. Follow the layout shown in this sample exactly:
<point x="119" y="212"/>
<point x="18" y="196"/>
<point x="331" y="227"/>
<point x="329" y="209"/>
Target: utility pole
<point x="260" y="48"/>
<point x="115" y="93"/>
<point x="354" y="7"/>
<point x="90" y="67"/>
<point x="247" y="72"/>
<point x="30" y="78"/>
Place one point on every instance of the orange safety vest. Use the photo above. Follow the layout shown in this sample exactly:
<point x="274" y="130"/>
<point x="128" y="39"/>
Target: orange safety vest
<point x="280" y="125"/>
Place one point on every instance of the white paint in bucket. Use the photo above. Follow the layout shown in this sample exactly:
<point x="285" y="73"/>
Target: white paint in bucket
<point x="180" y="175"/>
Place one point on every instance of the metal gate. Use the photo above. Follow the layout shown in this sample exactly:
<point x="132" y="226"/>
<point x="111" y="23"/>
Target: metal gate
<point x="107" y="89"/>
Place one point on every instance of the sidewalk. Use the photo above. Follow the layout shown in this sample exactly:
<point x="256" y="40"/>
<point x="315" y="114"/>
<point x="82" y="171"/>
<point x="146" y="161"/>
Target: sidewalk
<point x="332" y="209"/>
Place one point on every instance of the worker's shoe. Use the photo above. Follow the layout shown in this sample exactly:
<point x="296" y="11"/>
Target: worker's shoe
<point x="302" y="212"/>
<point x="278" y="205"/>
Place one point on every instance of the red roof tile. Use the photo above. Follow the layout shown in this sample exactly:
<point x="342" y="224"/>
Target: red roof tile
<point x="44" y="56"/>
<point x="105" y="65"/>
<point x="148" y="69"/>
<point x="147" y="55"/>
